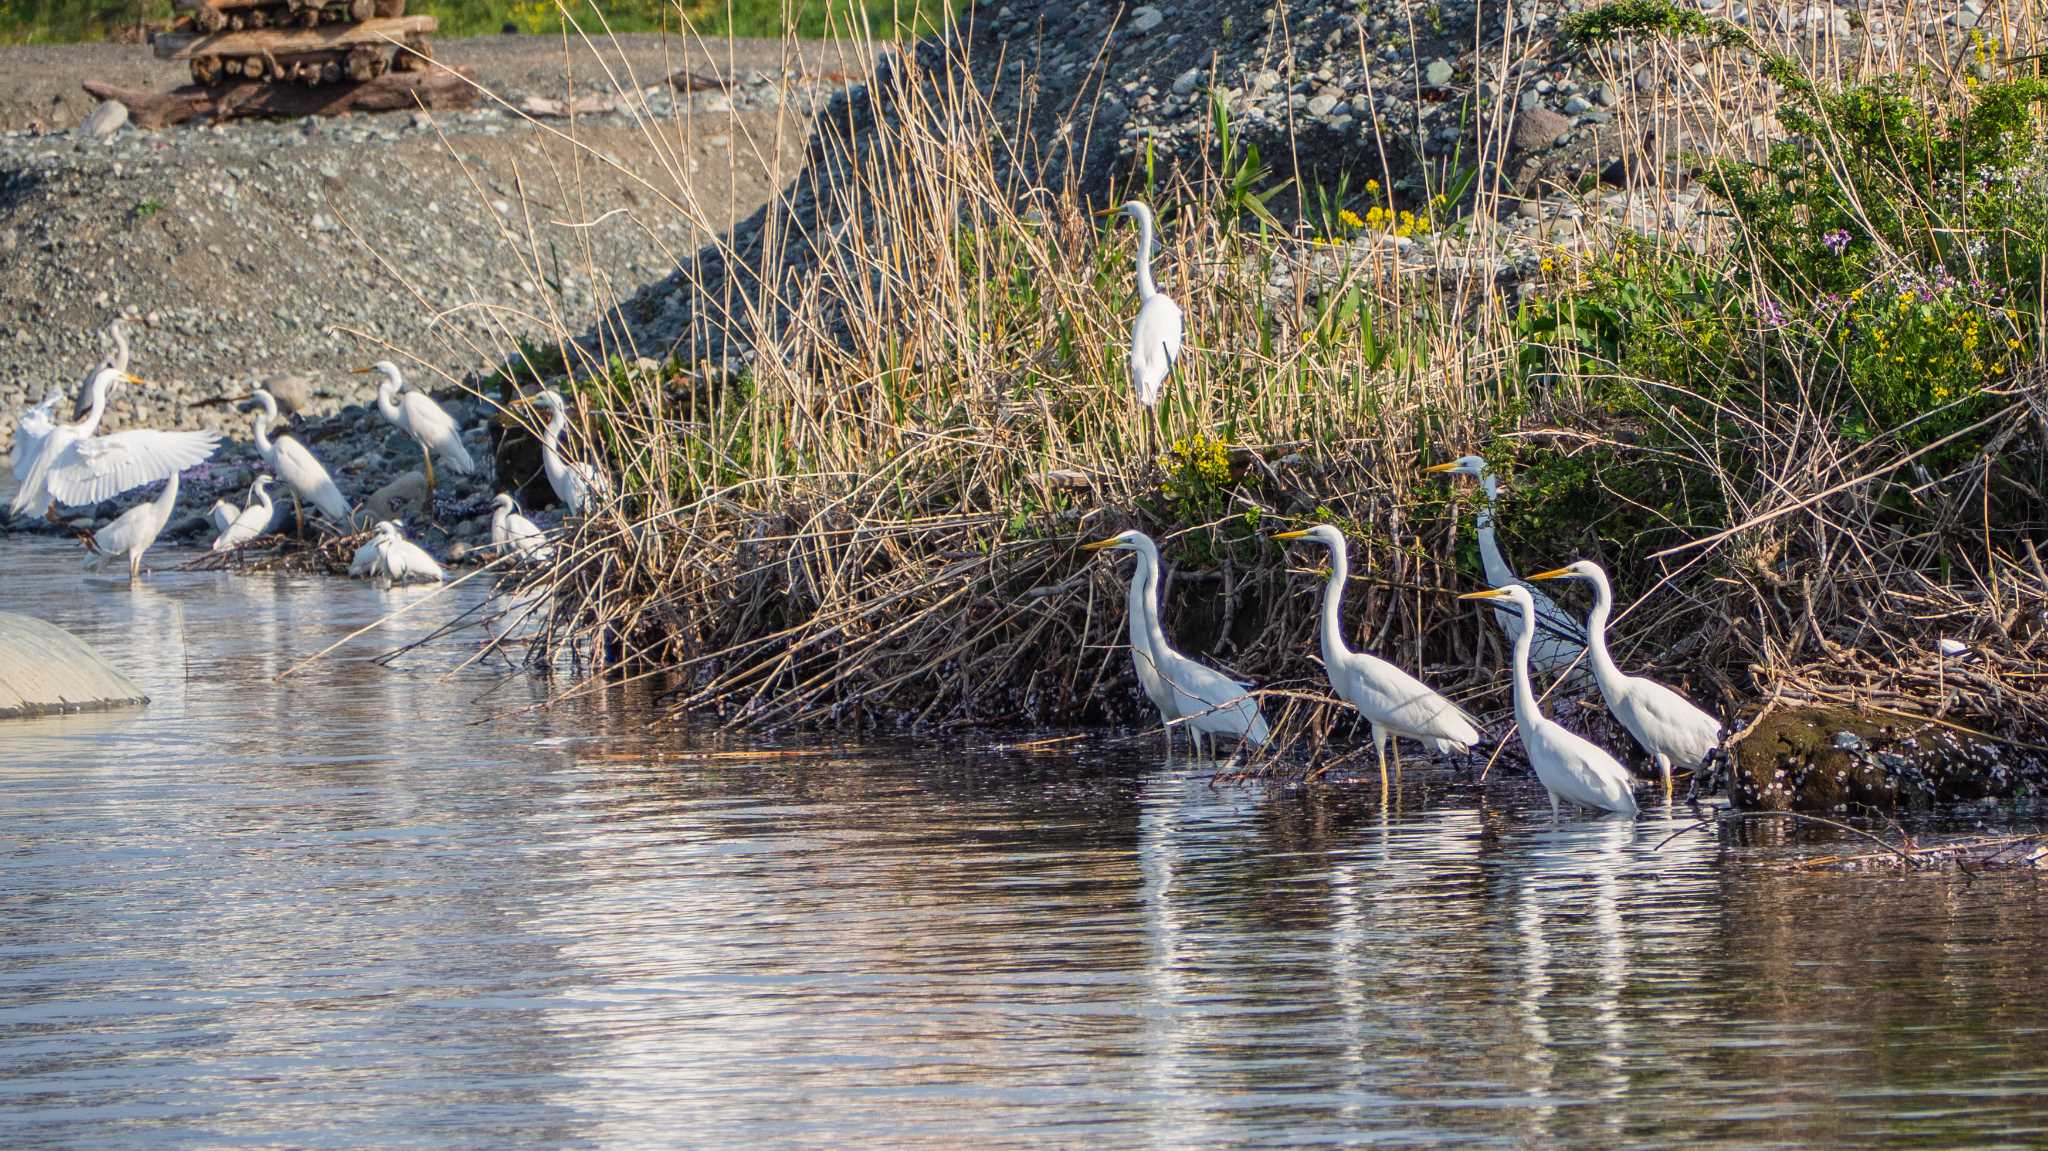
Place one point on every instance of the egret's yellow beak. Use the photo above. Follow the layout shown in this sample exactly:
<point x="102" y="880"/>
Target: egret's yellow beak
<point x="524" y="402"/>
<point x="1490" y="593"/>
<point x="1297" y="534"/>
<point x="1439" y="469"/>
<point x="1553" y="573"/>
<point x="1098" y="545"/>
<point x="133" y="379"/>
<point x="360" y="371"/>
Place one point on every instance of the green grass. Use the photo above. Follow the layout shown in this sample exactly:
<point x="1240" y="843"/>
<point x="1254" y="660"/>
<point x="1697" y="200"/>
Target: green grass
<point x="69" y="21"/>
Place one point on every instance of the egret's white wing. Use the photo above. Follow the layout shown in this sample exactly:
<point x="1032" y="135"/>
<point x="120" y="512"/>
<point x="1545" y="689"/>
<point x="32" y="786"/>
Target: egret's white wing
<point x="525" y="537"/>
<point x="252" y="521"/>
<point x="33" y="496"/>
<point x="368" y="560"/>
<point x="1209" y="700"/>
<point x="1155" y="345"/>
<point x="1575" y="769"/>
<point x="431" y="425"/>
<point x="222" y="515"/>
<point x="96" y="468"/>
<point x="404" y="560"/>
<point x="1390" y="697"/>
<point x="136" y="526"/>
<point x="30" y="431"/>
<point x="303" y="472"/>
<point x="1666" y="722"/>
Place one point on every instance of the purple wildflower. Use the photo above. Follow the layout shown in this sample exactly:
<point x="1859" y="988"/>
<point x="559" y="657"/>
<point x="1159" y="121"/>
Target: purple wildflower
<point x="1837" y="241"/>
<point x="1772" y="315"/>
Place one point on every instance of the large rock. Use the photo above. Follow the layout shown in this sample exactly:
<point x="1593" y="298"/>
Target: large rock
<point x="45" y="670"/>
<point x="1835" y="760"/>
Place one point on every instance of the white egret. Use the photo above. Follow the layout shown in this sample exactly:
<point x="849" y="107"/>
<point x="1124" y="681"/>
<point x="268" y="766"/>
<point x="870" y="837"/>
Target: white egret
<point x="295" y="464"/>
<point x="511" y="531"/>
<point x="1207" y="701"/>
<point x="1395" y="703"/>
<point x="1670" y="727"/>
<point x="75" y="465"/>
<point x="1156" y="333"/>
<point x="29" y="429"/>
<point x="1559" y="638"/>
<point x="417" y="415"/>
<point x="117" y="360"/>
<point x="1570" y="766"/>
<point x="390" y="558"/>
<point x="251" y="521"/>
<point x="134" y="530"/>
<point x="574" y="483"/>
<point x="222" y="515"/>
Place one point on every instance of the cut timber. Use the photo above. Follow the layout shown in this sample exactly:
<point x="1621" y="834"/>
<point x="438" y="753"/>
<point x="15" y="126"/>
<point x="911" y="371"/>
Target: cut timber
<point x="392" y="92"/>
<point x="291" y="41"/>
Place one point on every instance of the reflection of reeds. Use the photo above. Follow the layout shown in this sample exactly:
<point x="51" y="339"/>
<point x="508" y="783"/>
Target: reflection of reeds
<point x="872" y="519"/>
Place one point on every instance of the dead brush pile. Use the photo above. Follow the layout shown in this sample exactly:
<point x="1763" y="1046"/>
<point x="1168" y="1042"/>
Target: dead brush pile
<point x="875" y="521"/>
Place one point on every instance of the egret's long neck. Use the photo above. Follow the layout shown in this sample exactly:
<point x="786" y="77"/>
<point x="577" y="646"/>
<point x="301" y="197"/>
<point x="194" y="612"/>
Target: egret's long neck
<point x="1148" y="571"/>
<point x="1333" y="596"/>
<point x="263" y="446"/>
<point x="1527" y="716"/>
<point x="1604" y="671"/>
<point x="1146" y="288"/>
<point x="551" y="440"/>
<point x="96" y="413"/>
<point x="387" y="400"/>
<point x="1498" y="573"/>
<point x="120" y="347"/>
<point x="168" y="498"/>
<point x="260" y="496"/>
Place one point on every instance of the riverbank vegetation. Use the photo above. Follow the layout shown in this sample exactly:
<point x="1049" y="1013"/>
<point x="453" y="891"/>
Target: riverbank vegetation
<point x="1805" y="433"/>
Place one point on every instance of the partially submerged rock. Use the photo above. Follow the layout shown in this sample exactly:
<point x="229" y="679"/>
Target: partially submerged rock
<point x="1834" y="759"/>
<point x="45" y="670"/>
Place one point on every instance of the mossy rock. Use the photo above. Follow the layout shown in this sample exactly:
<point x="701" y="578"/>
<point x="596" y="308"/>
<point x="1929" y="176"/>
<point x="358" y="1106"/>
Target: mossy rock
<point x="1834" y="759"/>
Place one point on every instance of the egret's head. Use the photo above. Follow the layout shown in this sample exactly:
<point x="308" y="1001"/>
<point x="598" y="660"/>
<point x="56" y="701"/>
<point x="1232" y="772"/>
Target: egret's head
<point x="504" y="502"/>
<point x="1579" y="569"/>
<point x="387" y="529"/>
<point x="1324" y="534"/>
<point x="548" y="398"/>
<point x="263" y="401"/>
<point x="260" y="487"/>
<point x="1130" y="541"/>
<point x="385" y="368"/>
<point x="1514" y="593"/>
<point x="1474" y="466"/>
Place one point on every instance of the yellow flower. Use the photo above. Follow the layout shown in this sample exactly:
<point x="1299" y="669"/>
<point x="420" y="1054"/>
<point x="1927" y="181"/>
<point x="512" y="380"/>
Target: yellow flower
<point x="1857" y="294"/>
<point x="2012" y="345"/>
<point x="1349" y="218"/>
<point x="1549" y="265"/>
<point x="1372" y="186"/>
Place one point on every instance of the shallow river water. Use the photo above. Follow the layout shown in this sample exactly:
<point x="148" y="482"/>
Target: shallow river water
<point x="384" y="906"/>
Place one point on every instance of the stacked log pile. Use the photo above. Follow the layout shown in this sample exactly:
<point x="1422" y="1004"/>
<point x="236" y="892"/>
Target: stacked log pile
<point x="307" y="42"/>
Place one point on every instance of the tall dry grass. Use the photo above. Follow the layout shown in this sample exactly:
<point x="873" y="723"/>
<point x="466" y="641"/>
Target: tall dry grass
<point x="871" y="517"/>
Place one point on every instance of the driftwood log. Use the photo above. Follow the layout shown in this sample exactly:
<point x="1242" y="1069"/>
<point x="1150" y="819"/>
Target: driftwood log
<point x="442" y="89"/>
<point x="291" y="41"/>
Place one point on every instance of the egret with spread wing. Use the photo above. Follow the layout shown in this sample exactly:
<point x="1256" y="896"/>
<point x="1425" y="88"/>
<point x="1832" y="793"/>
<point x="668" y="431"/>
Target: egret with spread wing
<point x="417" y="415"/>
<point x="134" y="530"/>
<point x="75" y="465"/>
<point x="1570" y="766"/>
<point x="29" y="429"/>
<point x="513" y="532"/>
<point x="249" y="522"/>
<point x="1207" y="701"/>
<point x="1674" y="731"/>
<point x="575" y="483"/>
<point x="295" y="464"/>
<point x="1395" y="703"/>
<point x="1559" y="638"/>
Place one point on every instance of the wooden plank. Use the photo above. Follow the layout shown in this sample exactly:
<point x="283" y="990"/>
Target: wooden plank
<point x="391" y="92"/>
<point x="289" y="41"/>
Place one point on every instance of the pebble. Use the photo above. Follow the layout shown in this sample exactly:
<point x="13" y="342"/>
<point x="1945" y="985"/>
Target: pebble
<point x="110" y="117"/>
<point x="1145" y="18"/>
<point x="1438" y="73"/>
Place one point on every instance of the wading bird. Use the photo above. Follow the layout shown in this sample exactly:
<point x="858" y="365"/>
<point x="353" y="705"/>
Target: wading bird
<point x="295" y="464"/>
<point x="1155" y="335"/>
<point x="1395" y="703"/>
<point x="390" y="558"/>
<point x="134" y="530"/>
<point x="251" y="521"/>
<point x="1670" y="727"/>
<point x="222" y="515"/>
<point x="511" y="531"/>
<point x="29" y="429"/>
<point x="74" y="465"/>
<point x="417" y="415"/>
<point x="1207" y="701"/>
<point x="1559" y="638"/>
<point x="574" y="483"/>
<point x="1569" y="765"/>
<point x="116" y="360"/>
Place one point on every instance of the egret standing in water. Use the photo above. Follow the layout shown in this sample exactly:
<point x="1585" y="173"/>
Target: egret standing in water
<point x="1395" y="703"/>
<point x="1570" y="766"/>
<point x="417" y="415"/>
<point x="134" y="530"/>
<point x="390" y="558"/>
<point x="513" y="532"/>
<point x="1559" y="639"/>
<point x="297" y="466"/>
<point x="1668" y="726"/>
<point x="251" y="521"/>
<point x="1209" y="702"/>
<point x="574" y="483"/>
<point x="74" y="465"/>
<point x="222" y="515"/>
<point x="1155" y="335"/>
